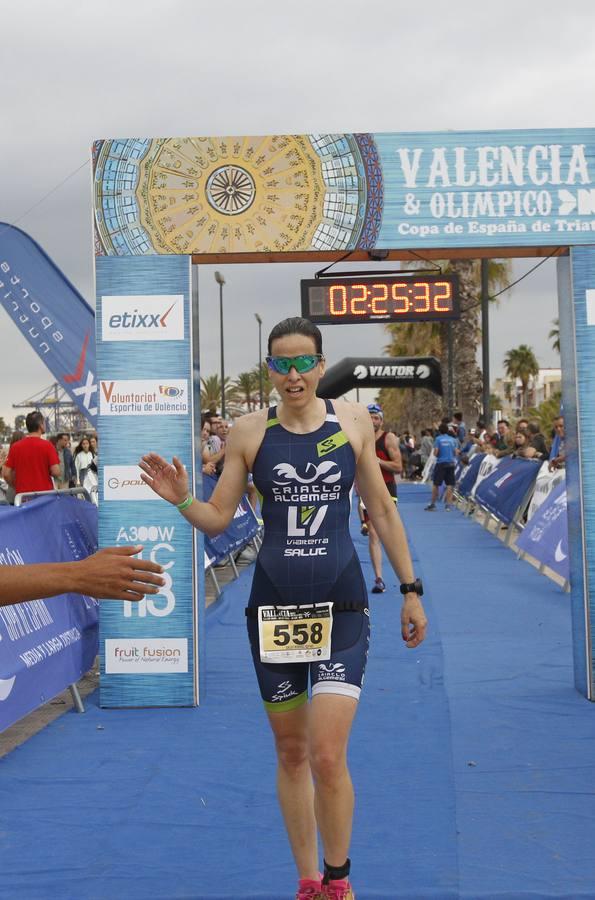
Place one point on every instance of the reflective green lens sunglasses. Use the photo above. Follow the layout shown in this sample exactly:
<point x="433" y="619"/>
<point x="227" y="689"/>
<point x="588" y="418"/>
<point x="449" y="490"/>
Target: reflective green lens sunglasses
<point x="303" y="363"/>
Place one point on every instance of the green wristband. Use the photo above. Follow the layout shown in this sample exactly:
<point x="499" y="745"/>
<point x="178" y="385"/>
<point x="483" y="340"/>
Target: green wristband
<point x="185" y="503"/>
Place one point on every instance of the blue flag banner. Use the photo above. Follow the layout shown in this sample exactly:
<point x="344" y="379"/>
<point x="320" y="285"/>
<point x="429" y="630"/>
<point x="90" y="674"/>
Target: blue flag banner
<point x="468" y="480"/>
<point x="503" y="490"/>
<point x="546" y="534"/>
<point x="45" y="645"/>
<point x="51" y="314"/>
<point x="242" y="528"/>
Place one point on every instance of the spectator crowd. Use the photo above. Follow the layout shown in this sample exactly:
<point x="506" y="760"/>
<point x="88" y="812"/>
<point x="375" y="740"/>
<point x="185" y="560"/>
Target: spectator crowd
<point x="34" y="461"/>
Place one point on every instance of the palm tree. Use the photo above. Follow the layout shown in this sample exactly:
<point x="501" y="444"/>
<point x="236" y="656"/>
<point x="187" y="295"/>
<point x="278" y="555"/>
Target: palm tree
<point x="554" y="335"/>
<point x="521" y="363"/>
<point x="267" y="384"/>
<point x="247" y="387"/>
<point x="210" y="394"/>
<point x="408" y="408"/>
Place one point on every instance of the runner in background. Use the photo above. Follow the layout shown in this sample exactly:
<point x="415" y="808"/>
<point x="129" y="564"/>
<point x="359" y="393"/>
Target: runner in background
<point x="391" y="464"/>
<point x="446" y="448"/>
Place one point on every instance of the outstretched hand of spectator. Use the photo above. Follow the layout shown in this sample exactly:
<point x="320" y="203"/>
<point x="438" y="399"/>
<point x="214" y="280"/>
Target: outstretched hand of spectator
<point x="168" y="480"/>
<point x="115" y="573"/>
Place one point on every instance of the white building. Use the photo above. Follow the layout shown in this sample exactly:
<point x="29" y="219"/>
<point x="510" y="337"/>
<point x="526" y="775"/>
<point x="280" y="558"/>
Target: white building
<point x="547" y="383"/>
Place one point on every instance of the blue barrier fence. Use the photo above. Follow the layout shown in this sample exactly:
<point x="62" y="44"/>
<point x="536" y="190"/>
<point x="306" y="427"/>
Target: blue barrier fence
<point x="546" y="535"/>
<point x="466" y="483"/>
<point x="45" y="645"/>
<point x="504" y="493"/>
<point x="242" y="528"/>
<point x="504" y="489"/>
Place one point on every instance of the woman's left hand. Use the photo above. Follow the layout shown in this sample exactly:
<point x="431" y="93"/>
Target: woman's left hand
<point x="413" y="621"/>
<point x="169" y="480"/>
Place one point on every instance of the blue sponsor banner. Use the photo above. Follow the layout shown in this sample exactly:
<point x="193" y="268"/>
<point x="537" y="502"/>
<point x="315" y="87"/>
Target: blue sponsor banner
<point x="487" y="188"/>
<point x="344" y="191"/>
<point x="242" y="528"/>
<point x="545" y="536"/>
<point x="51" y="314"/>
<point x="144" y="353"/>
<point x="468" y="480"/>
<point x="45" y="645"/>
<point x="503" y="490"/>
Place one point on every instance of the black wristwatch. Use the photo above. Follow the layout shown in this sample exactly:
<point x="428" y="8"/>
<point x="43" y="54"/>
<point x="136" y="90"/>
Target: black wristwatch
<point x="413" y="587"/>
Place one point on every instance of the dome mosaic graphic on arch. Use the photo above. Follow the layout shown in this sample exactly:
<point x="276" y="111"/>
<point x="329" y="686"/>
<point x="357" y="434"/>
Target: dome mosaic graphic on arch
<point x="237" y="195"/>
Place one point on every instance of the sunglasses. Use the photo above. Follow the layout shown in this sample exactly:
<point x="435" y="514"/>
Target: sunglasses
<point x="303" y="363"/>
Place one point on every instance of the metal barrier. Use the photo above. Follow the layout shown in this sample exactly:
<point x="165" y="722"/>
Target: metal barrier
<point x="72" y="492"/>
<point x="230" y="559"/>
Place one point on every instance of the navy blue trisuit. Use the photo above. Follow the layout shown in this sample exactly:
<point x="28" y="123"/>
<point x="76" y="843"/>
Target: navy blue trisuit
<point x="307" y="557"/>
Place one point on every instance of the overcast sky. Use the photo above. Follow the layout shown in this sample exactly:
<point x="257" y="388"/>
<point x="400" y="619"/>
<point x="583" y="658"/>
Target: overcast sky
<point x="72" y="72"/>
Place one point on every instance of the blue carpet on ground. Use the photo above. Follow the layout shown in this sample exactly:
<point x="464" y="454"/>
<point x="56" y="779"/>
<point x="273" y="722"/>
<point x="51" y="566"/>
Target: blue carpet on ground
<point x="472" y="758"/>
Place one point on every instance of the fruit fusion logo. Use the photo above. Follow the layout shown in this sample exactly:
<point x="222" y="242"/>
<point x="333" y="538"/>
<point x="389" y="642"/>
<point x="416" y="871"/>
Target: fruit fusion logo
<point x="141" y="656"/>
<point x="143" y="318"/>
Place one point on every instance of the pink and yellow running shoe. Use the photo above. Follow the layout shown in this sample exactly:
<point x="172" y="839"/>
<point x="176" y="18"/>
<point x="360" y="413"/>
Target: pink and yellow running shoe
<point x="308" y="889"/>
<point x="338" y="890"/>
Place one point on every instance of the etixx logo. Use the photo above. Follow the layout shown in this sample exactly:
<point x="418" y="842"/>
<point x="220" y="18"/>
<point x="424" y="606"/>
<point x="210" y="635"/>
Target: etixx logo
<point x="143" y="318"/>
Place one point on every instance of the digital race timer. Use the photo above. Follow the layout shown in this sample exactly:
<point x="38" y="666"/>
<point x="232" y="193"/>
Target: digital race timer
<point x="392" y="298"/>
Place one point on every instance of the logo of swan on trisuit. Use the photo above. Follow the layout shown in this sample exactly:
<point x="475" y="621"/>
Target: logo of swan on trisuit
<point x="287" y="473"/>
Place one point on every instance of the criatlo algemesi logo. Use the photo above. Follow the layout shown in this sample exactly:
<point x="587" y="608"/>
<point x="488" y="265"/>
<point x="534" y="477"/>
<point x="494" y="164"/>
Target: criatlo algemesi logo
<point x="331" y="672"/>
<point x="288" y="474"/>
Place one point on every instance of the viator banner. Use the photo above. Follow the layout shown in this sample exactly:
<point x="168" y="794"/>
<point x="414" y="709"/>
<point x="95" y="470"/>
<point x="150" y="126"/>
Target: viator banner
<point x="45" y="645"/>
<point x="381" y="371"/>
<point x="51" y="314"/>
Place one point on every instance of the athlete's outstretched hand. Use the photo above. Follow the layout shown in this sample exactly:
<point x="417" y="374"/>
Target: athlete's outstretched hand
<point x="413" y="621"/>
<point x="169" y="480"/>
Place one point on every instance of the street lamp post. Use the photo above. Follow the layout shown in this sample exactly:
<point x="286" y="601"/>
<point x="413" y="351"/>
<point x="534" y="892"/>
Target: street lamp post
<point x="221" y="281"/>
<point x="260" y="387"/>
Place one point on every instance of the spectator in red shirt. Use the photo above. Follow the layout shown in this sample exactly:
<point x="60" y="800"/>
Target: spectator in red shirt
<point x="32" y="462"/>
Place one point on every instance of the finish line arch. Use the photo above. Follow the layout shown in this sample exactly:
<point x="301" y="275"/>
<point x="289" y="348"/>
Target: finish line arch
<point x="163" y="206"/>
